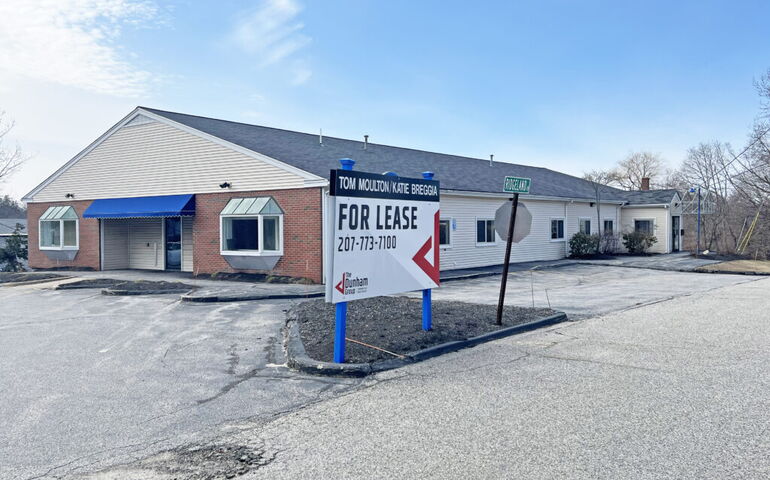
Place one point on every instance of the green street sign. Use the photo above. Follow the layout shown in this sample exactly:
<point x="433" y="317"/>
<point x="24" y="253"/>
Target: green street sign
<point x="517" y="185"/>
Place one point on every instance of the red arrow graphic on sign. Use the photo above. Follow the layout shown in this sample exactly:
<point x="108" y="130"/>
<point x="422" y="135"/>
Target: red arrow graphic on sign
<point x="431" y="270"/>
<point x="341" y="285"/>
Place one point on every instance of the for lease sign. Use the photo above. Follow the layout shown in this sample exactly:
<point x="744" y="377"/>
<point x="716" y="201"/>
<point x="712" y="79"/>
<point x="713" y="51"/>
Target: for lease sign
<point x="384" y="235"/>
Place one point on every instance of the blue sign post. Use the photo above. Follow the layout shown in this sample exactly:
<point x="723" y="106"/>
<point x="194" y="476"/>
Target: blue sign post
<point x="427" y="311"/>
<point x="341" y="312"/>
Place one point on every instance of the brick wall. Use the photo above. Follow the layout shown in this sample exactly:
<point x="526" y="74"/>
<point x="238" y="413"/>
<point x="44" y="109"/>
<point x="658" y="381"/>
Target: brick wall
<point x="302" y="230"/>
<point x="88" y="253"/>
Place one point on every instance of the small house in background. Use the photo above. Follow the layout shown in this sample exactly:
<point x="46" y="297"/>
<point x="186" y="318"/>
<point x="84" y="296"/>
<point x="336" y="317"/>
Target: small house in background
<point x="8" y="226"/>
<point x="169" y="191"/>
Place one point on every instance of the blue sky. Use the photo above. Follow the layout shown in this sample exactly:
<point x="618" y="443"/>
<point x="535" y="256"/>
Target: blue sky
<point x="567" y="85"/>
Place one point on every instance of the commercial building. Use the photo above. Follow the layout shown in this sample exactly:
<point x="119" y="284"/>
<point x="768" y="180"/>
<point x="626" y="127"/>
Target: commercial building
<point x="169" y="191"/>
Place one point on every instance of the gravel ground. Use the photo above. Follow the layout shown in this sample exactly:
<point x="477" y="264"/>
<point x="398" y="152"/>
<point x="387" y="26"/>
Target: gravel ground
<point x="395" y="324"/>
<point x="8" y="277"/>
<point x="91" y="283"/>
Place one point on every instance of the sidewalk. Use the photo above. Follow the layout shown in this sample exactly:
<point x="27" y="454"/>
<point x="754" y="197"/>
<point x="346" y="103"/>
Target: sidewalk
<point x="671" y="262"/>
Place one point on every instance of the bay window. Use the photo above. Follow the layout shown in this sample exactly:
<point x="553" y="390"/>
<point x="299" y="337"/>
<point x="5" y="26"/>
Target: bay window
<point x="252" y="226"/>
<point x="58" y="229"/>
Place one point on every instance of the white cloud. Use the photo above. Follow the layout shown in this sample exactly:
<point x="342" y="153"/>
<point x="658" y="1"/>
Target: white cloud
<point x="73" y="42"/>
<point x="301" y="73"/>
<point x="272" y="33"/>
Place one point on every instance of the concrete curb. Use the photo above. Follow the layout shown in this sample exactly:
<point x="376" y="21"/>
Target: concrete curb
<point x="298" y="359"/>
<point x="125" y="293"/>
<point x="33" y="282"/>
<point x="249" y="297"/>
<point x="724" y="272"/>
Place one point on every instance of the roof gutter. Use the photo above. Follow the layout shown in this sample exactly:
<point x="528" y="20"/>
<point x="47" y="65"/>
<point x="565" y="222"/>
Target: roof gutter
<point x="467" y="193"/>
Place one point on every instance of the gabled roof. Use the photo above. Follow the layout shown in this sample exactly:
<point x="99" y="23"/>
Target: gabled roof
<point x="303" y="150"/>
<point x="649" y="197"/>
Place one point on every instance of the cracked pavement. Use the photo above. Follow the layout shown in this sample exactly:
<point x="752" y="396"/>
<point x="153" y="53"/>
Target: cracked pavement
<point x="674" y="389"/>
<point x="90" y="381"/>
<point x="673" y="384"/>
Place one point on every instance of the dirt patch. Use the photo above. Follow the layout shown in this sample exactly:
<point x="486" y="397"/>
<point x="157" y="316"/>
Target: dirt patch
<point x="9" y="277"/>
<point x="747" y="266"/>
<point x="146" y="287"/>
<point x="257" y="277"/>
<point x="91" y="283"/>
<point x="395" y="324"/>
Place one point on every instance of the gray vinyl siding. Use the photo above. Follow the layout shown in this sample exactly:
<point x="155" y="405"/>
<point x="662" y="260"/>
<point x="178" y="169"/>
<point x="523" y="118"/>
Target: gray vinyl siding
<point x="114" y="245"/>
<point x="158" y="159"/>
<point x="146" y="244"/>
<point x="187" y="244"/>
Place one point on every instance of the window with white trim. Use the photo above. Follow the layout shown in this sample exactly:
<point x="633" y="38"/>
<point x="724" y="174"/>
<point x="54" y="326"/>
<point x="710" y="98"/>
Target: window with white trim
<point x="485" y="231"/>
<point x="58" y="229"/>
<point x="644" y="226"/>
<point x="557" y="229"/>
<point x="609" y="226"/>
<point x="445" y="232"/>
<point x="252" y="226"/>
<point x="585" y="226"/>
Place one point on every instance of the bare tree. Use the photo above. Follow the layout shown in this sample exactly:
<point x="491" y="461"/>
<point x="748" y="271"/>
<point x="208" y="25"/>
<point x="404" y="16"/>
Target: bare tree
<point x="10" y="158"/>
<point x="599" y="180"/>
<point x="630" y="171"/>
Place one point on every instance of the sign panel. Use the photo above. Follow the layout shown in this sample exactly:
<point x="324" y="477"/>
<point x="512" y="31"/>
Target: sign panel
<point x="516" y="185"/>
<point x="523" y="221"/>
<point x="384" y="235"/>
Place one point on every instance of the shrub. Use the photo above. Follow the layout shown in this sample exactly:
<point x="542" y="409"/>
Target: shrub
<point x="638" y="242"/>
<point x="583" y="245"/>
<point x="14" y="252"/>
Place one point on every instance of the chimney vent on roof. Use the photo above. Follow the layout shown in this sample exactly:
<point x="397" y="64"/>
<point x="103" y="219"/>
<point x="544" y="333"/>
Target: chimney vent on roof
<point x="320" y="136"/>
<point x="491" y="159"/>
<point x="366" y="141"/>
<point x="646" y="183"/>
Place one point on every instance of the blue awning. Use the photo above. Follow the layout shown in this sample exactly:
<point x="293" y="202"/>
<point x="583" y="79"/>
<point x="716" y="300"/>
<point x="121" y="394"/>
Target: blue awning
<point x="162" y="206"/>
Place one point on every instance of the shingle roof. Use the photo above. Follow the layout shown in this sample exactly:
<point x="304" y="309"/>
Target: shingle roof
<point x="648" y="197"/>
<point x="303" y="151"/>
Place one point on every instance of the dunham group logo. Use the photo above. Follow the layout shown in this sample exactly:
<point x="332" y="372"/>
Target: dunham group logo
<point x="350" y="285"/>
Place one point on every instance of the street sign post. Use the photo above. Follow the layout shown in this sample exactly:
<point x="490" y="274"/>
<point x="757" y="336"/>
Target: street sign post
<point x="383" y="239"/>
<point x="515" y="185"/>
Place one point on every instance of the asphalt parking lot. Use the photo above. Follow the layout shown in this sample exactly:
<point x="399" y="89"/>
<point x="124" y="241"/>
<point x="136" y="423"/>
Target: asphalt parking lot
<point x="90" y="381"/>
<point x="586" y="290"/>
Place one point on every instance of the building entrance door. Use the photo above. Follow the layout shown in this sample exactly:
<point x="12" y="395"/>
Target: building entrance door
<point x="676" y="238"/>
<point x="173" y="240"/>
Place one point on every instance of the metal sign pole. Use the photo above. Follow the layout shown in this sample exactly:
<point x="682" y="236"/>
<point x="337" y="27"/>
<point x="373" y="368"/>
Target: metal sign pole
<point x="341" y="309"/>
<point x="509" y="241"/>
<point x="427" y="310"/>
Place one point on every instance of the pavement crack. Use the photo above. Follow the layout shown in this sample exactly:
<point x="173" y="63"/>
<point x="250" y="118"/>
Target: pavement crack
<point x="586" y="360"/>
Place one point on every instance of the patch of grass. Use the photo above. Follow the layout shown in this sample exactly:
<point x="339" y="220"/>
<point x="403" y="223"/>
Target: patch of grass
<point x="752" y="266"/>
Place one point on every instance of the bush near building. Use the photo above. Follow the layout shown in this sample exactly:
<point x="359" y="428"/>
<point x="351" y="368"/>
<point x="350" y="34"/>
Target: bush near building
<point x="638" y="242"/>
<point x="583" y="245"/>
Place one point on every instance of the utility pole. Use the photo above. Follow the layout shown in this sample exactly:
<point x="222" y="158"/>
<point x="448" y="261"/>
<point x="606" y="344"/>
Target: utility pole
<point x="697" y="251"/>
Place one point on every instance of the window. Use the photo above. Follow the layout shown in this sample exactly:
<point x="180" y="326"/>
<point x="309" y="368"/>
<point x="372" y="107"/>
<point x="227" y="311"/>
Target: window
<point x="557" y="229"/>
<point x="252" y="226"/>
<point x="609" y="227"/>
<point x="59" y="229"/>
<point x="585" y="226"/>
<point x="644" y="226"/>
<point x="444" y="232"/>
<point x="485" y="231"/>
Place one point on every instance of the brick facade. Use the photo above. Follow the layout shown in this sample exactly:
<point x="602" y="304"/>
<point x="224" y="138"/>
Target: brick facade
<point x="302" y="231"/>
<point x="88" y="252"/>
